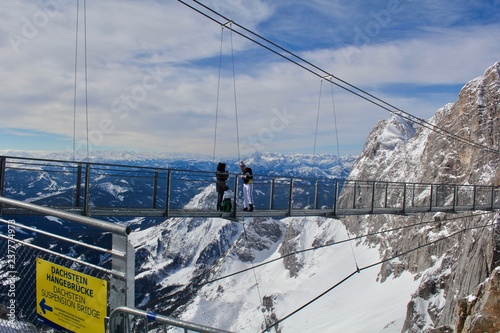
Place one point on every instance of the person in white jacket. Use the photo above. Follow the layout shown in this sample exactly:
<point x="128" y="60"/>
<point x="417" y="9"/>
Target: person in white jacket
<point x="247" y="187"/>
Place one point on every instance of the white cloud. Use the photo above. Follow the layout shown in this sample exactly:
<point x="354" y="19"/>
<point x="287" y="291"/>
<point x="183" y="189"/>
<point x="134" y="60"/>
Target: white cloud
<point x="153" y="75"/>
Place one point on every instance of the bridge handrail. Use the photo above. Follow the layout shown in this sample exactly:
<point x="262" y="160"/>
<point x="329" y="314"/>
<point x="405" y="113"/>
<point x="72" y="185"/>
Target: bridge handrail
<point x="115" y="323"/>
<point x="211" y="173"/>
<point x="85" y="220"/>
<point x="122" y="273"/>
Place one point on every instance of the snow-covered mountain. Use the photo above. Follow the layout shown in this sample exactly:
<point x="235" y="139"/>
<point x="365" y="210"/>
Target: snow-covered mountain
<point x="361" y="274"/>
<point x="464" y="249"/>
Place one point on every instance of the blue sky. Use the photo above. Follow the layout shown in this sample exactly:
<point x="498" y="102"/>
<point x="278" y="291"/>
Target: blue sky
<point x="153" y="72"/>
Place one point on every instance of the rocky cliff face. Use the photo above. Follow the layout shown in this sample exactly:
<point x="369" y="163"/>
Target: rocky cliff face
<point x="453" y="253"/>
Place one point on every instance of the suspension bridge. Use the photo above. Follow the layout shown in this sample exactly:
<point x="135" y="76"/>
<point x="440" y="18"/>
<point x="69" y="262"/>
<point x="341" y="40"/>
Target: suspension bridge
<point x="112" y="190"/>
<point x="78" y="191"/>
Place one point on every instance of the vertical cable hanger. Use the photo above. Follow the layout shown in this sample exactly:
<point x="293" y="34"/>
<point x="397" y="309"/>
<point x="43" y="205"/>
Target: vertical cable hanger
<point x="77" y="33"/>
<point x="86" y="77"/>
<point x="76" y="72"/>
<point x="234" y="90"/>
<point x="317" y="117"/>
<point x="335" y="121"/>
<point x="218" y="95"/>
<point x="226" y="25"/>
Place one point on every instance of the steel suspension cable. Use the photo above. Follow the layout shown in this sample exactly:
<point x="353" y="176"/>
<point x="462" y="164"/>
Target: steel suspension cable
<point x="261" y="300"/>
<point x="316" y="70"/>
<point x="336" y="243"/>
<point x="397" y="255"/>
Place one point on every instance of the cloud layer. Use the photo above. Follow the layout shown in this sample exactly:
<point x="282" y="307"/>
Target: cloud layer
<point x="154" y="82"/>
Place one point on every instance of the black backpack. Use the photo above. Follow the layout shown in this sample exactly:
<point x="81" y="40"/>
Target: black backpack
<point x="226" y="205"/>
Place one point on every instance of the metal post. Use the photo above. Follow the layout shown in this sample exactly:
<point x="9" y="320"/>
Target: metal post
<point x="354" y="196"/>
<point x="373" y="197"/>
<point x="167" y="195"/>
<point x="430" y="208"/>
<point x="122" y="291"/>
<point x="86" y="201"/>
<point x="413" y="196"/>
<point x="271" y="199"/>
<point x="316" y="190"/>
<point x="290" y="198"/>
<point x="155" y="188"/>
<point x="78" y="185"/>
<point x="235" y="196"/>
<point x="474" y="197"/>
<point x="455" y="194"/>
<point x="335" y="194"/>
<point x="492" y="197"/>
<point x="404" y="199"/>
<point x="386" y="194"/>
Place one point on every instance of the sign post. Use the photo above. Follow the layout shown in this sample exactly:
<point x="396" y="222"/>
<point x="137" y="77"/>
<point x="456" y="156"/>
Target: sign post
<point x="69" y="300"/>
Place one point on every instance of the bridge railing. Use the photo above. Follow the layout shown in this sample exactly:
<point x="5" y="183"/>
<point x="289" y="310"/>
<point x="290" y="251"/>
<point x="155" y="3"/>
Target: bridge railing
<point x="98" y="189"/>
<point x="64" y="242"/>
<point x="371" y="196"/>
<point x="136" y="320"/>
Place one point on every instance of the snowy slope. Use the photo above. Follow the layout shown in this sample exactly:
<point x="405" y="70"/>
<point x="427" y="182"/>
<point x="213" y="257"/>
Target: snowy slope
<point x="295" y="260"/>
<point x="360" y="304"/>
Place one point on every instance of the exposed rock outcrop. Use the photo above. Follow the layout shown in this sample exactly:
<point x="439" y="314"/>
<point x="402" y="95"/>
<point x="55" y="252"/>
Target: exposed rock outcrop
<point x="480" y="312"/>
<point x="453" y="253"/>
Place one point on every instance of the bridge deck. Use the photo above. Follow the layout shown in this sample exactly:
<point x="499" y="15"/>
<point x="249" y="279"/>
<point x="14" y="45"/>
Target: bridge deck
<point x="275" y="213"/>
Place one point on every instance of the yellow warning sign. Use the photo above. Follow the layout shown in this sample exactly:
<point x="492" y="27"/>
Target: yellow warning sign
<point x="69" y="300"/>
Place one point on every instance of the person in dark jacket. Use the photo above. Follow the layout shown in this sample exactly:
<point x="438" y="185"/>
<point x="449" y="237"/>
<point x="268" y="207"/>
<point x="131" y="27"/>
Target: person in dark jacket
<point x="220" y="184"/>
<point x="247" y="176"/>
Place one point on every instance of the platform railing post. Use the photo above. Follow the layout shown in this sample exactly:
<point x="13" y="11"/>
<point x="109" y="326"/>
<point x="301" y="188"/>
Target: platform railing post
<point x="386" y="194"/>
<point x="86" y="201"/>
<point x="316" y="192"/>
<point x="235" y="196"/>
<point x="155" y="188"/>
<point x="354" y="196"/>
<point x="413" y="195"/>
<point x="167" y="194"/>
<point x="78" y="185"/>
<point x="492" y="197"/>
<point x="335" y="195"/>
<point x="474" y="188"/>
<point x="271" y="199"/>
<point x="290" y="198"/>
<point x="122" y="291"/>
<point x="455" y="194"/>
<point x="404" y="198"/>
<point x="373" y="198"/>
<point x="431" y="198"/>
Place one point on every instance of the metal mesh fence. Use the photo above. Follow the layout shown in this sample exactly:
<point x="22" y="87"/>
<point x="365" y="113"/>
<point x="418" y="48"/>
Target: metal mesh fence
<point x="19" y="250"/>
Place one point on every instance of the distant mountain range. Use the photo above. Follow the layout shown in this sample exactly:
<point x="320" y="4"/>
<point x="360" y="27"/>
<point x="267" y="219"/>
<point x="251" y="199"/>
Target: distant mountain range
<point x="263" y="163"/>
